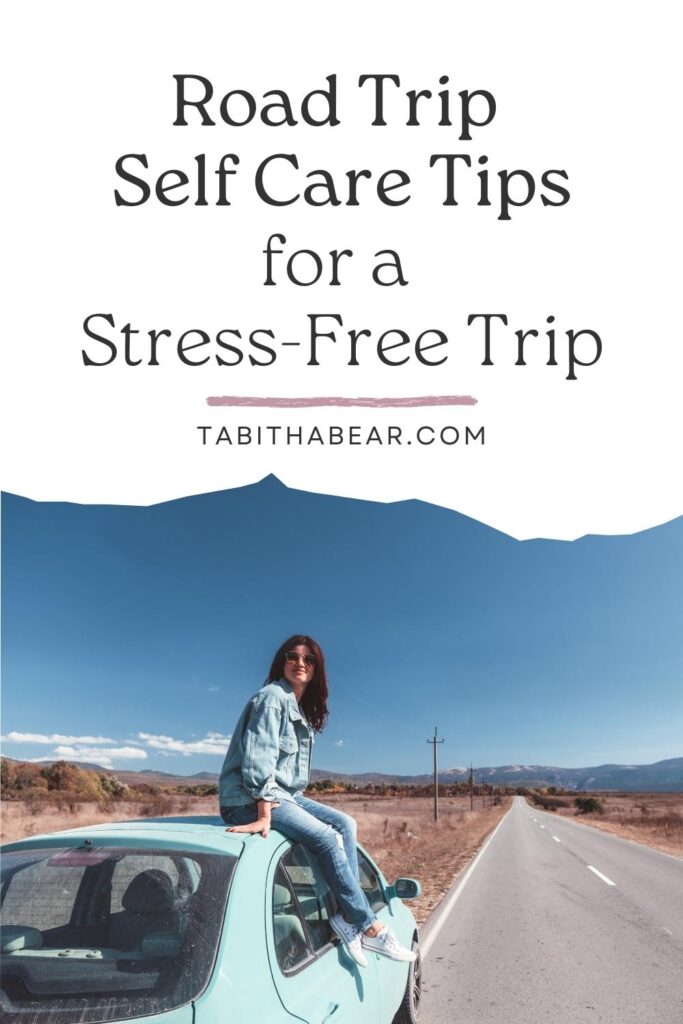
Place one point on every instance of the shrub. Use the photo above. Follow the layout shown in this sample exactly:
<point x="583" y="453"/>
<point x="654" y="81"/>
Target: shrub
<point x="111" y="787"/>
<point x="21" y="779"/>
<point x="208" y="789"/>
<point x="589" y="805"/>
<point x="64" y="777"/>
<point x="8" y="775"/>
<point x="549" y="803"/>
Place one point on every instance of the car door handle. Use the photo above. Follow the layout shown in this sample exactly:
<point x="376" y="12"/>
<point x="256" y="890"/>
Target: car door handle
<point x="334" y="1015"/>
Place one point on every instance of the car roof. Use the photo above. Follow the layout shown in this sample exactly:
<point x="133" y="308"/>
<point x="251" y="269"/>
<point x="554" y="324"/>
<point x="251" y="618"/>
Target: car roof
<point x="204" y="833"/>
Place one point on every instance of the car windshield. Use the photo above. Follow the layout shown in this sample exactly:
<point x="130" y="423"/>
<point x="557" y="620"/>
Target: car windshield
<point x="95" y="934"/>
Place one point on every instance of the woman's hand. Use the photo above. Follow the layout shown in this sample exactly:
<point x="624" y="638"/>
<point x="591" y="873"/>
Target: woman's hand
<point x="262" y="826"/>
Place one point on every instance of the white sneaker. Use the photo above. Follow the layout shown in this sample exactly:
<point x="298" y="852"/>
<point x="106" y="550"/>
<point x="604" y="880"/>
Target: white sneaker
<point x="388" y="945"/>
<point x="351" y="939"/>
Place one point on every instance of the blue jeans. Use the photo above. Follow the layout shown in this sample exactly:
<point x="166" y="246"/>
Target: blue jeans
<point x="317" y="827"/>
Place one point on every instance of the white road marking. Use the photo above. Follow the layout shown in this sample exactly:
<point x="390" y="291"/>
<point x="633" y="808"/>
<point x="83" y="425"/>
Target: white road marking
<point x="431" y="938"/>
<point x="542" y="826"/>
<point x="606" y="880"/>
<point x="556" y="839"/>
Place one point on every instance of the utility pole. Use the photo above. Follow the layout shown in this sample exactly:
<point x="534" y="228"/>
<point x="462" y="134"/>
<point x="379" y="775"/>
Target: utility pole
<point x="471" y="787"/>
<point x="434" y="742"/>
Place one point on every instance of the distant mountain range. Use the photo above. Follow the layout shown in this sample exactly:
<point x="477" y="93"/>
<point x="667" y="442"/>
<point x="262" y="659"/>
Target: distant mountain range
<point x="663" y="776"/>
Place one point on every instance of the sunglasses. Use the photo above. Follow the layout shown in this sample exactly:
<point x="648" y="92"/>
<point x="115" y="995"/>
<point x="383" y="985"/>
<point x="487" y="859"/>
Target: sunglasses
<point x="293" y="658"/>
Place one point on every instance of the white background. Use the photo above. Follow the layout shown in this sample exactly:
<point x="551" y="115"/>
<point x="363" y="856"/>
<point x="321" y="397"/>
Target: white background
<point x="591" y="88"/>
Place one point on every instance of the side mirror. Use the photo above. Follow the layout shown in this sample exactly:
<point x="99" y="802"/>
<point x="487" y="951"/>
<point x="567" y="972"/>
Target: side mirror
<point x="404" y="888"/>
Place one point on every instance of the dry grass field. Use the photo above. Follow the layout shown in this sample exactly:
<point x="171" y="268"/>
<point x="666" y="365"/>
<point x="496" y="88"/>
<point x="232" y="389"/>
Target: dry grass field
<point x="399" y="833"/>
<point x="655" y="819"/>
<point x="19" y="818"/>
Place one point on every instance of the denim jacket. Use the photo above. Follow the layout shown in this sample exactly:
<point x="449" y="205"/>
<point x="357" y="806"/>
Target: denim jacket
<point x="269" y="757"/>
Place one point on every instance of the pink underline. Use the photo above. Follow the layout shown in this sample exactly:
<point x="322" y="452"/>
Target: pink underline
<point x="329" y="400"/>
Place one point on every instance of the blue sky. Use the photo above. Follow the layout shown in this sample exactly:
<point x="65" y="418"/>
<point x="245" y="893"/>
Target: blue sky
<point x="133" y="636"/>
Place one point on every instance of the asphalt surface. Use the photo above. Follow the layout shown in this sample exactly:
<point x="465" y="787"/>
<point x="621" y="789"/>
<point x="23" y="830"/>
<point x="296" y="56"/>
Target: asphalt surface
<point x="557" y="922"/>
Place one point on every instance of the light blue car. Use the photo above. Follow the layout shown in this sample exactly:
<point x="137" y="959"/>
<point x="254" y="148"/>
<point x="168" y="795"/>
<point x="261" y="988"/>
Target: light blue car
<point x="177" y="921"/>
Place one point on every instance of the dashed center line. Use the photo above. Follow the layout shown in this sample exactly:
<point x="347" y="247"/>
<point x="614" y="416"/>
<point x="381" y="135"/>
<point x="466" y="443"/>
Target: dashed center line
<point x="556" y="839"/>
<point x="605" y="879"/>
<point x="542" y="826"/>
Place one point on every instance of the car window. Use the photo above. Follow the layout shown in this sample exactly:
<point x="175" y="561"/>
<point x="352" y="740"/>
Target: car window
<point x="302" y="906"/>
<point x="94" y="934"/>
<point x="370" y="883"/>
<point x="313" y="895"/>
<point x="292" y="945"/>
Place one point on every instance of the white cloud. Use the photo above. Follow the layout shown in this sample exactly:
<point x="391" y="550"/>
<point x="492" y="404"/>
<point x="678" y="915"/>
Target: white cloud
<point x="214" y="689"/>
<point x="212" y="743"/>
<point x="86" y="748"/>
<point x="35" y="737"/>
<point x="338" y="743"/>
<point x="99" y="754"/>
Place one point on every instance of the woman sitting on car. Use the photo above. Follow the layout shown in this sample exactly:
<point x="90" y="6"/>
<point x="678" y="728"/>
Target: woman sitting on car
<point x="264" y="775"/>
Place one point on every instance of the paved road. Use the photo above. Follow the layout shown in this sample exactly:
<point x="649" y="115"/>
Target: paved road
<point x="558" y="922"/>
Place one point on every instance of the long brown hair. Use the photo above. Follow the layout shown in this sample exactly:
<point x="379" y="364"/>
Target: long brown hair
<point x="314" y="700"/>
